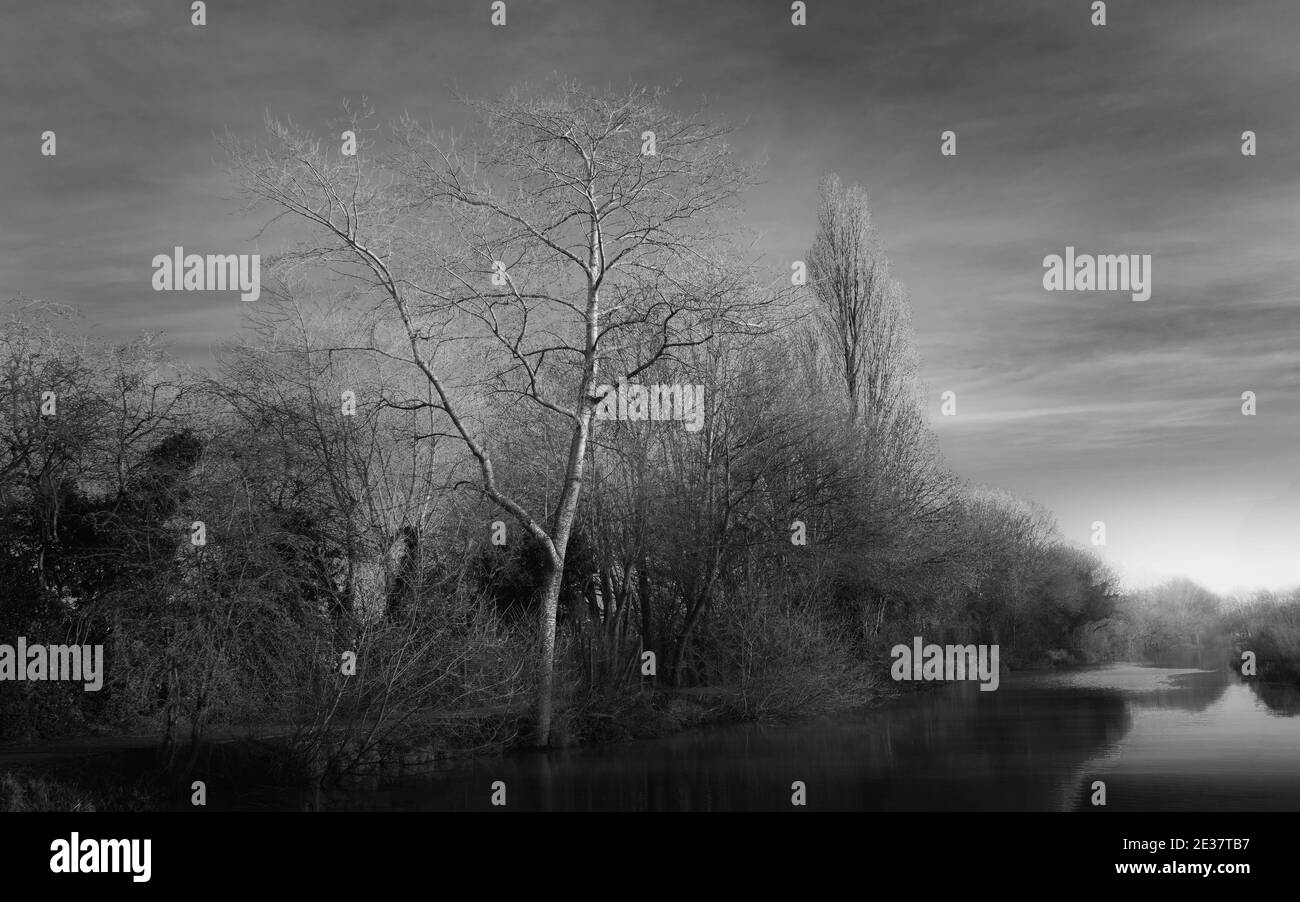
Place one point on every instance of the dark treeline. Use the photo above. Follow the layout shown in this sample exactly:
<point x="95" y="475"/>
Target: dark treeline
<point x="397" y="511"/>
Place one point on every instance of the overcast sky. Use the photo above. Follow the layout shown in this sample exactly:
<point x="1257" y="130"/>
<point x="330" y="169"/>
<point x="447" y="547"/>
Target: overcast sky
<point x="1119" y="139"/>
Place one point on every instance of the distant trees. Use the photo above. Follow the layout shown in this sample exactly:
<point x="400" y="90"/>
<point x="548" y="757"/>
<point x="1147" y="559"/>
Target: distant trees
<point x="1177" y="621"/>
<point x="1267" y="624"/>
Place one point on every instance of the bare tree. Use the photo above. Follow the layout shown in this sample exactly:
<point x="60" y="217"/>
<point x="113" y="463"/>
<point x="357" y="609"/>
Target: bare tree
<point x="581" y="223"/>
<point x="865" y="328"/>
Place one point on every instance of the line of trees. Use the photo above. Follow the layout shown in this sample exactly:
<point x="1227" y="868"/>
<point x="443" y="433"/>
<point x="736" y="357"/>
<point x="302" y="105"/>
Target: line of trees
<point x="400" y="458"/>
<point x="1181" y="623"/>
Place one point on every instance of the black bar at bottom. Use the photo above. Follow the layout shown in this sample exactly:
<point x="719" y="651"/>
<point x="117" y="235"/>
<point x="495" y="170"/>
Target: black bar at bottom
<point x="663" y="854"/>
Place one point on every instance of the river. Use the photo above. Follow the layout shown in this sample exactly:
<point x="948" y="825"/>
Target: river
<point x="1161" y="739"/>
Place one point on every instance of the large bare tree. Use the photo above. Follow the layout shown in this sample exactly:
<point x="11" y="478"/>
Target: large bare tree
<point x="508" y="268"/>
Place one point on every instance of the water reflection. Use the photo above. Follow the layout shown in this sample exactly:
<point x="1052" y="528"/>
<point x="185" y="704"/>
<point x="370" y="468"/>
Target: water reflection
<point x="1281" y="699"/>
<point x="1161" y="739"/>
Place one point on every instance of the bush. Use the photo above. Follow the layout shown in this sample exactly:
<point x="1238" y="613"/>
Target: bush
<point x="782" y="658"/>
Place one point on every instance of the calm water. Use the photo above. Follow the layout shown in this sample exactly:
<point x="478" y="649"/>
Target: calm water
<point x="1162" y="739"/>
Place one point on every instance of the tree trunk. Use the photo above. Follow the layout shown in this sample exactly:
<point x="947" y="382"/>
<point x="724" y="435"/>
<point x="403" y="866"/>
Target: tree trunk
<point x="683" y="643"/>
<point x="567" y="508"/>
<point x="546" y="676"/>
<point x="643" y="599"/>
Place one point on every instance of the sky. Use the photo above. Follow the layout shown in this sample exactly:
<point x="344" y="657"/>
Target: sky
<point x="1124" y="138"/>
